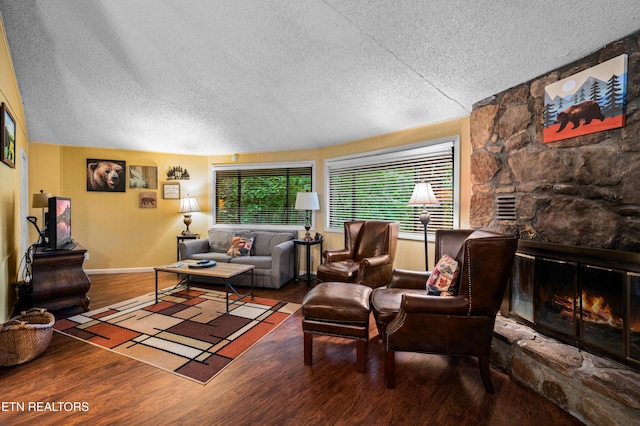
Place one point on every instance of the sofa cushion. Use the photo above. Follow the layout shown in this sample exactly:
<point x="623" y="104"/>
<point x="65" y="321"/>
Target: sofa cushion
<point x="240" y="246"/>
<point x="212" y="255"/>
<point x="265" y="241"/>
<point x="220" y="239"/>
<point x="260" y="262"/>
<point x="443" y="279"/>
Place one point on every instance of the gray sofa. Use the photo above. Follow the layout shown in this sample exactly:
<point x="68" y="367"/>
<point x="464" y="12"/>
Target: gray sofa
<point x="271" y="254"/>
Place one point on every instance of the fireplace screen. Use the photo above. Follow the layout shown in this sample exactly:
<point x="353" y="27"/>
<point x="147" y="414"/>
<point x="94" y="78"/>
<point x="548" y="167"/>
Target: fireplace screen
<point x="634" y="316"/>
<point x="522" y="286"/>
<point x="589" y="298"/>
<point x="601" y="308"/>
<point x="556" y="295"/>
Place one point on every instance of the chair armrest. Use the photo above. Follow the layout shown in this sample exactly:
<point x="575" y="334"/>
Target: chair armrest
<point x="375" y="271"/>
<point x="436" y="305"/>
<point x="433" y="324"/>
<point x="372" y="262"/>
<point x="190" y="247"/>
<point x="336" y="255"/>
<point x="404" y="278"/>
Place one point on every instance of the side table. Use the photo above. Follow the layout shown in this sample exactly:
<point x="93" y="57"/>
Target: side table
<point x="181" y="238"/>
<point x="296" y="262"/>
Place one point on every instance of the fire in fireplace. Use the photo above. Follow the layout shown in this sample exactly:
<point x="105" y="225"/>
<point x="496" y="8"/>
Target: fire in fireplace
<point x="589" y="298"/>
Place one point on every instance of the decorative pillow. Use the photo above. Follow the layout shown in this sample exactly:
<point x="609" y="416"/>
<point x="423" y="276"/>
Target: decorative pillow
<point x="443" y="279"/>
<point x="240" y="246"/>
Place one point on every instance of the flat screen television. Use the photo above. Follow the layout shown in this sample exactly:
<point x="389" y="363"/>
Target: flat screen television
<point x="59" y="224"/>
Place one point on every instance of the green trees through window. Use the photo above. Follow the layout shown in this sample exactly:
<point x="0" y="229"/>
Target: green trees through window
<point x="260" y="195"/>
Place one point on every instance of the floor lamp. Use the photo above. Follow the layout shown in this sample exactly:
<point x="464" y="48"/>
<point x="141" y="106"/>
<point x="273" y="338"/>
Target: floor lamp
<point x="423" y="194"/>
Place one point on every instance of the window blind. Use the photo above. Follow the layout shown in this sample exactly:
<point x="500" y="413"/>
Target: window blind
<point x="260" y="195"/>
<point x="380" y="186"/>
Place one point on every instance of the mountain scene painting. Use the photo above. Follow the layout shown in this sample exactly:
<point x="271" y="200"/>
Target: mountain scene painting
<point x="587" y="102"/>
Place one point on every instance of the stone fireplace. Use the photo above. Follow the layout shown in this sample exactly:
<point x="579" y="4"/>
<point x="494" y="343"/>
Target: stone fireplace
<point x="569" y="327"/>
<point x="578" y="194"/>
<point x="589" y="298"/>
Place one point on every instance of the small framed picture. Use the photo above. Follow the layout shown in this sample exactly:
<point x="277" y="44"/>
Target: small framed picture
<point x="145" y="177"/>
<point x="148" y="200"/>
<point x="171" y="191"/>
<point x="8" y="137"/>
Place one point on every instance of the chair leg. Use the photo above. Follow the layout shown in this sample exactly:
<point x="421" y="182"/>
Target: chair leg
<point x="390" y="369"/>
<point x="483" y="363"/>
<point x="308" y="349"/>
<point x="361" y="354"/>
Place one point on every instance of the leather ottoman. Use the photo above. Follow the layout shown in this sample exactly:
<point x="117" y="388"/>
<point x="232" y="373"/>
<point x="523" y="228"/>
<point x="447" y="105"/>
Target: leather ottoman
<point x="340" y="310"/>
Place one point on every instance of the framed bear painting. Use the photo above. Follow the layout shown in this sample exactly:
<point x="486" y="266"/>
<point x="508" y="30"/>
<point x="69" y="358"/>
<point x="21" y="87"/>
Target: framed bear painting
<point x="106" y="175"/>
<point x="590" y="101"/>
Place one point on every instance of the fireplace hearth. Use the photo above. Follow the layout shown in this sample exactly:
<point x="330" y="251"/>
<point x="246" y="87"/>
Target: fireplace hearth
<point x="588" y="298"/>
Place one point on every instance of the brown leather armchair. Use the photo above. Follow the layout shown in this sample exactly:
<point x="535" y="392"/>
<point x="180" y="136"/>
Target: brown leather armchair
<point x="370" y="248"/>
<point x="410" y="320"/>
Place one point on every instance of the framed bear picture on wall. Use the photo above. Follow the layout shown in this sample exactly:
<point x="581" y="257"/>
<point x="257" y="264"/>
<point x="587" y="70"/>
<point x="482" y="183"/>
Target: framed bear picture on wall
<point x="587" y="102"/>
<point x="106" y="175"/>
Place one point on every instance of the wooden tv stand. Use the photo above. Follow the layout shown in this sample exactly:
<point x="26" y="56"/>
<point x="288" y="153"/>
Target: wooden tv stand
<point x="58" y="279"/>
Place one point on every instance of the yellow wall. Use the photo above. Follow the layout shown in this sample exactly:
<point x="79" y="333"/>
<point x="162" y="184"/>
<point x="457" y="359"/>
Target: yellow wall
<point x="410" y="254"/>
<point x="118" y="233"/>
<point x="10" y="220"/>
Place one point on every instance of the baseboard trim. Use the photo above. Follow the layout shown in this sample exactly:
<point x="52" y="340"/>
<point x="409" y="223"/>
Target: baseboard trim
<point x="118" y="271"/>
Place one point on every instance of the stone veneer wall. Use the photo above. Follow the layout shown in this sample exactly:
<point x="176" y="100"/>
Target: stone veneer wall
<point x="581" y="191"/>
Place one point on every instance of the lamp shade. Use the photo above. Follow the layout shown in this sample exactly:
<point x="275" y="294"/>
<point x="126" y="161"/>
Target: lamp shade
<point x="307" y="201"/>
<point x="188" y="205"/>
<point x="423" y="195"/>
<point x="41" y="200"/>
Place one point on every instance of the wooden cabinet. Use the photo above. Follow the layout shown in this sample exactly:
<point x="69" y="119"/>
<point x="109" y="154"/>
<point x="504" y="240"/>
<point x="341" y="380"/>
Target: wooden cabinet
<point x="58" y="279"/>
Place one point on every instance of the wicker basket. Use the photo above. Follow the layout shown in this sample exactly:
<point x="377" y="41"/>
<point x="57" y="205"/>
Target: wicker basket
<point x="25" y="336"/>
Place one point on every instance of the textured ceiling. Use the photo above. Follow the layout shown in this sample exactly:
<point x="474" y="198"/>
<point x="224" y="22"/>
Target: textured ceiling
<point x="217" y="77"/>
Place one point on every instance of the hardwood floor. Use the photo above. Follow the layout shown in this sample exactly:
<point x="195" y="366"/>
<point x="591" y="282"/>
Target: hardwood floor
<point x="268" y="385"/>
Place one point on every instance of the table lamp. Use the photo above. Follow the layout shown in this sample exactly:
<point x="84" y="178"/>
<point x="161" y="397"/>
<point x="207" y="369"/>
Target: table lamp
<point x="41" y="201"/>
<point x="307" y="201"/>
<point x="187" y="206"/>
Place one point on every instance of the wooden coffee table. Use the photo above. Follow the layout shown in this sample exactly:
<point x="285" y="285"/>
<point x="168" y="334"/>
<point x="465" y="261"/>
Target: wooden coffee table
<point x="224" y="271"/>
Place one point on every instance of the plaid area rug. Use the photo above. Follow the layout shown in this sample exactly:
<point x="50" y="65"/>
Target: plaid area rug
<point x="186" y="332"/>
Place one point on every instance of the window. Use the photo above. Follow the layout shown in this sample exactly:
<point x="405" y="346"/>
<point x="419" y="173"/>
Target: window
<point x="379" y="186"/>
<point x="260" y="194"/>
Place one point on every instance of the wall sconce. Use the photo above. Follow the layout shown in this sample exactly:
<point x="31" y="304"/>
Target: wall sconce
<point x="234" y="157"/>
